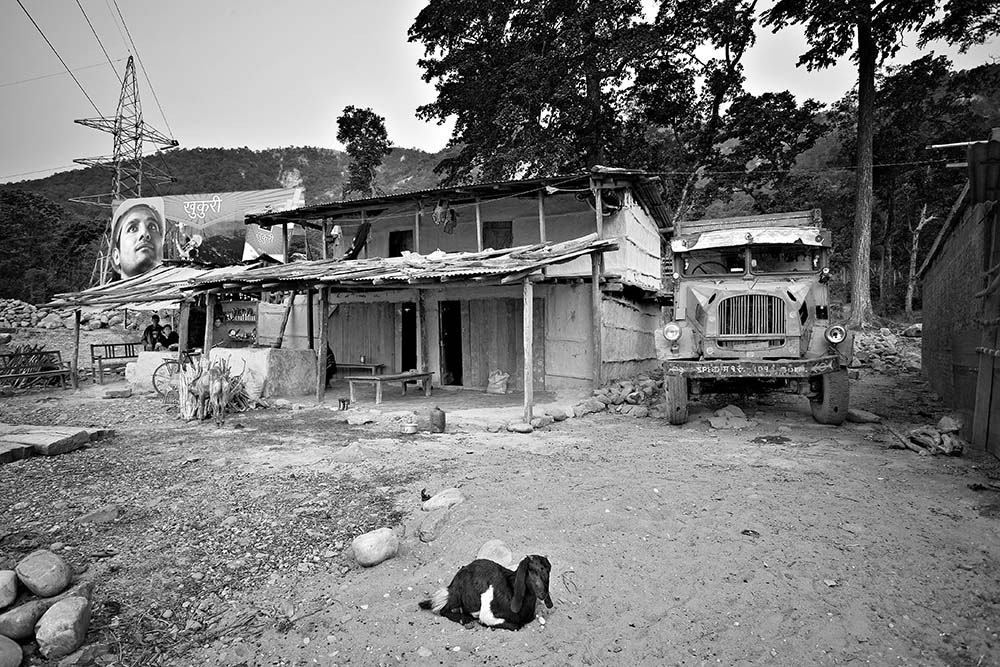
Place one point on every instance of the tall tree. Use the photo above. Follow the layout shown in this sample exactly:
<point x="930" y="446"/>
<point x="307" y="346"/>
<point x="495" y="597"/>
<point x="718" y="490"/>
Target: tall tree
<point x="363" y="133"/>
<point x="871" y="32"/>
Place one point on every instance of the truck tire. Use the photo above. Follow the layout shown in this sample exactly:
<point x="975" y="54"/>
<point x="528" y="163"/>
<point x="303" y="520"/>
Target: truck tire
<point x="675" y="398"/>
<point x="830" y="404"/>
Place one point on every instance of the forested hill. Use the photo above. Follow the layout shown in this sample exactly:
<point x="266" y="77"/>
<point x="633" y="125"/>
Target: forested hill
<point x="321" y="171"/>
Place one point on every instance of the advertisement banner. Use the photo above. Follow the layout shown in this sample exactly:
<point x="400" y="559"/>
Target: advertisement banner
<point x="138" y="231"/>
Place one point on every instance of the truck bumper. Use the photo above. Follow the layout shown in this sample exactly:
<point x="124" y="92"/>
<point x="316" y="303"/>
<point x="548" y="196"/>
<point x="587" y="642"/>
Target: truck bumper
<point x="760" y="368"/>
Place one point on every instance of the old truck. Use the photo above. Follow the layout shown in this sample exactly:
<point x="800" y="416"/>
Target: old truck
<point x="747" y="302"/>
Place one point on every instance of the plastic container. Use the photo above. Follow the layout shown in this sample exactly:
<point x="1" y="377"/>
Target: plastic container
<point x="438" y="421"/>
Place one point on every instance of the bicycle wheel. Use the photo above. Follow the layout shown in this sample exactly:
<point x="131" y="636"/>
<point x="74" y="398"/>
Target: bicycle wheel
<point x="165" y="377"/>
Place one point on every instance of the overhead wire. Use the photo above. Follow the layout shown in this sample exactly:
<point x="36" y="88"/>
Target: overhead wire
<point x="119" y="76"/>
<point x="42" y="33"/>
<point x="49" y="76"/>
<point x="143" y="67"/>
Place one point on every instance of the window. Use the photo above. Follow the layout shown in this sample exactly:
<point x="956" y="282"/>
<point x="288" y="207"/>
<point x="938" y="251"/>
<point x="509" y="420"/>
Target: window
<point x="784" y="259"/>
<point x="498" y="234"/>
<point x="399" y="241"/>
<point x="714" y="262"/>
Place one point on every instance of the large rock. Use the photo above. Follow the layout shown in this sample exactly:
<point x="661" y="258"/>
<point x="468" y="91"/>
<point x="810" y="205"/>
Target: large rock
<point x="443" y="500"/>
<point x="44" y="573"/>
<point x="105" y="514"/>
<point x="374" y="547"/>
<point x="557" y="413"/>
<point x="62" y="629"/>
<point x="496" y="551"/>
<point x="19" y="622"/>
<point x="8" y="587"/>
<point x="588" y="407"/>
<point x="520" y="427"/>
<point x="10" y="652"/>
<point x="859" y="416"/>
<point x="86" y="655"/>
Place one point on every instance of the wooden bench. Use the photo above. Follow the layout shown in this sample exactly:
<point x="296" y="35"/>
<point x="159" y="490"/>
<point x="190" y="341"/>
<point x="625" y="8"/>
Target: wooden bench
<point x="374" y="369"/>
<point x="22" y="369"/>
<point x="423" y="379"/>
<point x="105" y="356"/>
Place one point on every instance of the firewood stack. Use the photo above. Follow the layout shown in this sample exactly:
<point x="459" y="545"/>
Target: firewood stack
<point x="207" y="390"/>
<point x="933" y="440"/>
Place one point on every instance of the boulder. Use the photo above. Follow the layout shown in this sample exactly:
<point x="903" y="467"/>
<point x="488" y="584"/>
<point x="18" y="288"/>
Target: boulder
<point x="44" y="573"/>
<point x="105" y="514"/>
<point x="542" y="422"/>
<point x="520" y="427"/>
<point x="496" y="551"/>
<point x="10" y="652"/>
<point x="913" y="331"/>
<point x="730" y="411"/>
<point x="949" y="424"/>
<point x="374" y="547"/>
<point x="432" y="525"/>
<point x="558" y="414"/>
<point x="19" y="622"/>
<point x="87" y="655"/>
<point x="587" y="407"/>
<point x="443" y="500"/>
<point x="62" y="629"/>
<point x="8" y="587"/>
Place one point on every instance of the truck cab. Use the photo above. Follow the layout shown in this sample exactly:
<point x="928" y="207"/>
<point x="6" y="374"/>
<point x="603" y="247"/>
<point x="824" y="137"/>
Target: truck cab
<point x="749" y="302"/>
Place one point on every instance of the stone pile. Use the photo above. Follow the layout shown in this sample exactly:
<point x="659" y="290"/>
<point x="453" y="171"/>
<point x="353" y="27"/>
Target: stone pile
<point x="888" y="352"/>
<point x="633" y="396"/>
<point x="39" y="604"/>
<point x="17" y="313"/>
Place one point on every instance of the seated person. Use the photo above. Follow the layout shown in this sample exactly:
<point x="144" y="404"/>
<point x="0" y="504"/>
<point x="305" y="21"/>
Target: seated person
<point x="151" y="335"/>
<point x="168" y="338"/>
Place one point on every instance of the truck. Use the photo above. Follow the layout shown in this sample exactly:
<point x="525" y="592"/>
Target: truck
<point x="747" y="301"/>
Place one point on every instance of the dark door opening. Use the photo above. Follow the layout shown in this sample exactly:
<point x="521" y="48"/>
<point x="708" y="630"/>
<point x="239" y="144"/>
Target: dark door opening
<point x="408" y="337"/>
<point x="399" y="241"/>
<point x="450" y="313"/>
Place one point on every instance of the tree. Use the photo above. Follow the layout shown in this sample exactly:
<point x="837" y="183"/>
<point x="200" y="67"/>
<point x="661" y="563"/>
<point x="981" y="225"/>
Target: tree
<point x="363" y="133"/>
<point x="29" y="225"/>
<point x="878" y="28"/>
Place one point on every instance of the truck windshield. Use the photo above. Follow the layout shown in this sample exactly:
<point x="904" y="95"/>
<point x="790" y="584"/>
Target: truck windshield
<point x="783" y="259"/>
<point x="715" y="262"/>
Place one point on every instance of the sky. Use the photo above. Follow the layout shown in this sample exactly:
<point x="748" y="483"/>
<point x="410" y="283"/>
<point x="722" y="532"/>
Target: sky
<point x="260" y="73"/>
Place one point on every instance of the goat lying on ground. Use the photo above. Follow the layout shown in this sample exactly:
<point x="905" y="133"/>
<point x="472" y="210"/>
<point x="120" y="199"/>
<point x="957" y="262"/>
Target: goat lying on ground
<point x="498" y="597"/>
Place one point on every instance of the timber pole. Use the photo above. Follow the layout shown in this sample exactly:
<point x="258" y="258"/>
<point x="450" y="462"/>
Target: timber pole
<point x="416" y="229"/>
<point x="421" y="332"/>
<point x="284" y="319"/>
<point x="309" y="317"/>
<point x="595" y="294"/>
<point x="479" y="227"/>
<point x="321" y="348"/>
<point x="541" y="216"/>
<point x="75" y="366"/>
<point x="209" y="327"/>
<point x="183" y="328"/>
<point x="284" y="241"/>
<point x="529" y="356"/>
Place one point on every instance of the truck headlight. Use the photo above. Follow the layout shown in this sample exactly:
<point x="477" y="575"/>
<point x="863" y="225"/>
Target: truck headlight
<point x="836" y="334"/>
<point x="672" y="332"/>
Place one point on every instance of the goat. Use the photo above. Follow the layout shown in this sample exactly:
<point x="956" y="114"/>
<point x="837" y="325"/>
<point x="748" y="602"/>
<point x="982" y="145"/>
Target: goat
<point x="496" y="596"/>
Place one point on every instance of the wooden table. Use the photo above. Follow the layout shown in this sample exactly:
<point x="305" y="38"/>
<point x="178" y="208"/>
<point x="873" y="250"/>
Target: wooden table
<point x="378" y="380"/>
<point x="374" y="369"/>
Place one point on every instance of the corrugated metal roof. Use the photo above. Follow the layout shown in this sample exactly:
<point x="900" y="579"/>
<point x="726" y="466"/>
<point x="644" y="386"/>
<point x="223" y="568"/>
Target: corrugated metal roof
<point x="506" y="264"/>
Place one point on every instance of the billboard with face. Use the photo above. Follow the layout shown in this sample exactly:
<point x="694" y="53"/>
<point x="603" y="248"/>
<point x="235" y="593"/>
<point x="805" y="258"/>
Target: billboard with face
<point x="206" y="228"/>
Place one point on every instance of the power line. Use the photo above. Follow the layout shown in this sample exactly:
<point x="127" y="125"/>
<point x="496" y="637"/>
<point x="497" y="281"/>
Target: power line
<point x="143" y="67"/>
<point x="99" y="41"/>
<point x="40" y="32"/>
<point x="39" y="171"/>
<point x="49" y="76"/>
<point x="824" y="170"/>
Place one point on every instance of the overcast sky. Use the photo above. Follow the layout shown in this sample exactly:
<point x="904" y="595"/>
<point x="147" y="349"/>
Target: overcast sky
<point x="257" y="73"/>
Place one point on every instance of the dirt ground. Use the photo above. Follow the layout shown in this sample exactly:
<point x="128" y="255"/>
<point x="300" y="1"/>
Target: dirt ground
<point x="786" y="543"/>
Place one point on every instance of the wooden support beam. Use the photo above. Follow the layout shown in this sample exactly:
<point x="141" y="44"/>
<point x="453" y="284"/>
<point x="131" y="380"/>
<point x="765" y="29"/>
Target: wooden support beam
<point x="322" y="347"/>
<point x="75" y="365"/>
<point x="209" y="326"/>
<point x="529" y="356"/>
<point x="479" y="227"/>
<point x="309" y="317"/>
<point x="183" y="328"/>
<point x="422" y="361"/>
<point x="324" y="250"/>
<point x="541" y="217"/>
<point x="596" y="323"/>
<point x="284" y="319"/>
<point x="416" y="229"/>
<point x="284" y="241"/>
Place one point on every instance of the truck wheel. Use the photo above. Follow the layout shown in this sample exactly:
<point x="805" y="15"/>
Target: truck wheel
<point x="830" y="405"/>
<point x="675" y="399"/>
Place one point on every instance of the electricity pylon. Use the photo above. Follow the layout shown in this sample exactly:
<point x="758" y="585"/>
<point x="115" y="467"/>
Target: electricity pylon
<point x="130" y="132"/>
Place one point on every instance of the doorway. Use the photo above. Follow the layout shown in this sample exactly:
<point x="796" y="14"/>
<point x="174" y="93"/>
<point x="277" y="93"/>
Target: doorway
<point x="408" y="337"/>
<point x="450" y="315"/>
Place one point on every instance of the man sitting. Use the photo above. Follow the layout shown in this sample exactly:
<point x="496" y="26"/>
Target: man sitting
<point x="168" y="338"/>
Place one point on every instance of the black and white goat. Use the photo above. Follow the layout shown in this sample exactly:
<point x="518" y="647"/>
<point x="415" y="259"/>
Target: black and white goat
<point x="496" y="596"/>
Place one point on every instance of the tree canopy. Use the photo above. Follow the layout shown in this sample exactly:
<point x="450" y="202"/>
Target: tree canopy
<point x="363" y="133"/>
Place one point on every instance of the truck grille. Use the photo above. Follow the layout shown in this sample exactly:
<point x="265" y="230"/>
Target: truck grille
<point x="752" y="315"/>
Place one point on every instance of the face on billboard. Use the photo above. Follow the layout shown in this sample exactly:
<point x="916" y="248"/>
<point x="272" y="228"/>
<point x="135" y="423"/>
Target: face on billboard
<point x="138" y="236"/>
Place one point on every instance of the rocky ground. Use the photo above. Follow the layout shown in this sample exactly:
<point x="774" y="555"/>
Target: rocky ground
<point x="780" y="543"/>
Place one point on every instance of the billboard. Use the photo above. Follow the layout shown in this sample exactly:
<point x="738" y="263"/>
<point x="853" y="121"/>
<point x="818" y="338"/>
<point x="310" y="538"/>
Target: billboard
<point x="138" y="233"/>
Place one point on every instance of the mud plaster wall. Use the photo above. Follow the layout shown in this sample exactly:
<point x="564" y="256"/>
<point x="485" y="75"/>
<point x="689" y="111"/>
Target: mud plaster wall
<point x="628" y="336"/>
<point x="950" y="333"/>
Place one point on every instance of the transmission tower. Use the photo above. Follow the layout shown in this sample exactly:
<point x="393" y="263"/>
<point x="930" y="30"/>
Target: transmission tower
<point x="129" y="132"/>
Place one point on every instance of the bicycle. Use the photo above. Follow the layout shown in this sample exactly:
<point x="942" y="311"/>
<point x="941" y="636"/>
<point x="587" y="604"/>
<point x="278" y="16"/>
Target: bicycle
<point x="166" y="374"/>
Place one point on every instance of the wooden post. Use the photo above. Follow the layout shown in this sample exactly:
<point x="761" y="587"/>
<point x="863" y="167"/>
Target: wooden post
<point x="364" y="218"/>
<point x="421" y="332"/>
<point x="284" y="320"/>
<point x="75" y="365"/>
<point x="416" y="230"/>
<point x="598" y="204"/>
<point x="325" y="251"/>
<point x="183" y="328"/>
<point x="541" y="216"/>
<point x="321" y="349"/>
<point x="309" y="316"/>
<point x="479" y="227"/>
<point x="209" y="326"/>
<point x="595" y="283"/>
<point x="529" y="356"/>
<point x="284" y="241"/>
